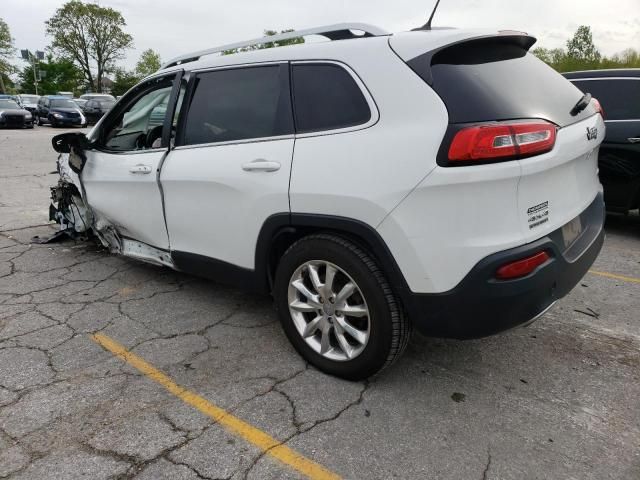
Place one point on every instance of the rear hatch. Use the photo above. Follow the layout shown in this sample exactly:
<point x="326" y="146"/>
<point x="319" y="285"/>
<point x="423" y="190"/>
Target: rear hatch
<point x="491" y="85"/>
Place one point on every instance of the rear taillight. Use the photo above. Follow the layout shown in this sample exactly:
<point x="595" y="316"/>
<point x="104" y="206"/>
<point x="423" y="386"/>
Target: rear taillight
<point x="502" y="140"/>
<point x="522" y="267"/>
<point x="598" y="106"/>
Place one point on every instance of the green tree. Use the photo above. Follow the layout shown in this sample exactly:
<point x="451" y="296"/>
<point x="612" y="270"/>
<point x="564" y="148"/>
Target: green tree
<point x="149" y="63"/>
<point x="267" y="33"/>
<point x="92" y="36"/>
<point x="123" y="81"/>
<point x="580" y="47"/>
<point x="6" y="52"/>
<point x="554" y="57"/>
<point x="56" y="75"/>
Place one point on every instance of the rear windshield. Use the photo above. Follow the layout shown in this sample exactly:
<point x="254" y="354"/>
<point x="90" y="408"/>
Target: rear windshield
<point x="106" y="103"/>
<point x="619" y="97"/>
<point x="493" y="79"/>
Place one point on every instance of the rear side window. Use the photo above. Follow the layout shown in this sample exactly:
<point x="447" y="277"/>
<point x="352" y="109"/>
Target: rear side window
<point x="497" y="79"/>
<point x="620" y="98"/>
<point x="239" y="104"/>
<point x="326" y="97"/>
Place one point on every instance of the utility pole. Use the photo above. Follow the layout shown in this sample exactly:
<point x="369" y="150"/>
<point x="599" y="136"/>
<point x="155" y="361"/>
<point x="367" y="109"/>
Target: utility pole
<point x="33" y="59"/>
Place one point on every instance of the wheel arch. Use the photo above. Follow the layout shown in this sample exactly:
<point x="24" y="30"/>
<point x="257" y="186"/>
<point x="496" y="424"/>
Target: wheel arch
<point x="280" y="231"/>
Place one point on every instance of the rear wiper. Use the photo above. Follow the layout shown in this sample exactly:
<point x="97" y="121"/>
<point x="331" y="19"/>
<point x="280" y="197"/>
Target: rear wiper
<point x="581" y="105"/>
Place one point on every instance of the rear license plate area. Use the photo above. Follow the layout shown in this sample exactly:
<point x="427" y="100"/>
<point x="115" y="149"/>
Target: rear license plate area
<point x="571" y="231"/>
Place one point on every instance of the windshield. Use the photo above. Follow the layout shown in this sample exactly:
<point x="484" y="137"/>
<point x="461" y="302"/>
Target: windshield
<point x="8" y="104"/>
<point x="106" y="104"/>
<point x="29" y="98"/>
<point x="62" y="103"/>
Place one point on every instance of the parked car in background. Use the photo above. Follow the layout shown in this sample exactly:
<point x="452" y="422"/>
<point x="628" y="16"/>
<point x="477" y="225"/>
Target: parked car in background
<point x="5" y="96"/>
<point x="619" y="161"/>
<point x="29" y="102"/>
<point x="80" y="102"/>
<point x="443" y="180"/>
<point x="13" y="115"/>
<point x="94" y="109"/>
<point x="65" y="94"/>
<point x="97" y="96"/>
<point x="59" y="111"/>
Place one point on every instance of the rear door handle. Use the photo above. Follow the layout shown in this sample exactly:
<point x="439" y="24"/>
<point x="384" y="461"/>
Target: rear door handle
<point x="261" y="165"/>
<point x="140" y="168"/>
<point x="634" y="139"/>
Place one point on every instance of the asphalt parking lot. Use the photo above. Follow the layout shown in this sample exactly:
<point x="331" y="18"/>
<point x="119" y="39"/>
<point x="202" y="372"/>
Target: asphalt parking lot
<point x="113" y="369"/>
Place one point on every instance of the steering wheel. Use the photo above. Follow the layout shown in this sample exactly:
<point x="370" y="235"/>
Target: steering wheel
<point x="152" y="135"/>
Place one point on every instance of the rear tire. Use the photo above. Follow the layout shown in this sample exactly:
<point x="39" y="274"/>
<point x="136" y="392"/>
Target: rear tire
<point x="352" y="328"/>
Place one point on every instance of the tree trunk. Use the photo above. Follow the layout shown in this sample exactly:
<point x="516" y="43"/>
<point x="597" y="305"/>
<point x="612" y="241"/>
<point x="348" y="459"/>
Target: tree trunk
<point x="2" y="89"/>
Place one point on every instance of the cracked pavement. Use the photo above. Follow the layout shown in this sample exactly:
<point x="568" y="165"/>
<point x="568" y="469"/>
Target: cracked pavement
<point x="558" y="399"/>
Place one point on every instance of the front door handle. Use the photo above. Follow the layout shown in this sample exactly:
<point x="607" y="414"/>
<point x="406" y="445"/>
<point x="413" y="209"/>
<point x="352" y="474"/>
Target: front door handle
<point x="634" y="139"/>
<point x="140" y="168"/>
<point x="261" y="165"/>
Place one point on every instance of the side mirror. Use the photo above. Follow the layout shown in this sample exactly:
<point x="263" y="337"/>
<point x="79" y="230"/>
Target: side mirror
<point x="75" y="145"/>
<point x="65" y="141"/>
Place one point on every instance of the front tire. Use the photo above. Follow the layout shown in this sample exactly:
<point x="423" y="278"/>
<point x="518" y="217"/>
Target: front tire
<point x="337" y="308"/>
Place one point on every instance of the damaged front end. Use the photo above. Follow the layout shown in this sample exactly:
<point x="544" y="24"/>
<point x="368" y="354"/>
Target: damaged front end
<point x="68" y="199"/>
<point x="70" y="208"/>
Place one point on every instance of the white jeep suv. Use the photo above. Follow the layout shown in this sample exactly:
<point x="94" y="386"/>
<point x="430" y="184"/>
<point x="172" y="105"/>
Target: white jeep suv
<point x="444" y="180"/>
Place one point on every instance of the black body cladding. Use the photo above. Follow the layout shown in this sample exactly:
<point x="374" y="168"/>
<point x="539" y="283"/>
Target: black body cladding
<point x="478" y="306"/>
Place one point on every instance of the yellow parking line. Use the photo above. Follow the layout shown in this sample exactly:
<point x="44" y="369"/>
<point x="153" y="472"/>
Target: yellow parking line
<point x="260" y="439"/>
<point x="617" y="277"/>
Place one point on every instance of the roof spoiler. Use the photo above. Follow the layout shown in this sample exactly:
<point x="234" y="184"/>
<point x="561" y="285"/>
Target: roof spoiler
<point x="422" y="63"/>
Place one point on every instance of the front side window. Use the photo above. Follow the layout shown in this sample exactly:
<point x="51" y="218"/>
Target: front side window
<point x="239" y="104"/>
<point x="139" y="126"/>
<point x="620" y="98"/>
<point x="326" y="97"/>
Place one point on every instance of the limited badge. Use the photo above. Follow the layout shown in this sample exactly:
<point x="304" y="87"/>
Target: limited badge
<point x="538" y="214"/>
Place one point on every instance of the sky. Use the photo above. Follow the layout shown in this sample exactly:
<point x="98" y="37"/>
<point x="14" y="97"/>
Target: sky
<point x="176" y="27"/>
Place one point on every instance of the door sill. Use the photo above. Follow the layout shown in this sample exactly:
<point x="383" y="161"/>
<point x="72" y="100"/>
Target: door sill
<point x="146" y="253"/>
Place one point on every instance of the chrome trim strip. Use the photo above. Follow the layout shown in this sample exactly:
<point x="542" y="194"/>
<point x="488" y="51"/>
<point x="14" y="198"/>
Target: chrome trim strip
<point x="235" y="142"/>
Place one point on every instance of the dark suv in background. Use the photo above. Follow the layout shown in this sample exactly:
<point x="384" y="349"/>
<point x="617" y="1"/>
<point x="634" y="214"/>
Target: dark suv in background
<point x="619" y="94"/>
<point x="59" y="111"/>
<point x="95" y="108"/>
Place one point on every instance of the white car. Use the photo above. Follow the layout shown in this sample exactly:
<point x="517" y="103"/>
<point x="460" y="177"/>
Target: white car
<point x="444" y="180"/>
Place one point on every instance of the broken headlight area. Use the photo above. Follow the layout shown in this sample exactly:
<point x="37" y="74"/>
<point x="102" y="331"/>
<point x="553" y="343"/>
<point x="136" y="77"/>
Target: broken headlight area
<point x="69" y="210"/>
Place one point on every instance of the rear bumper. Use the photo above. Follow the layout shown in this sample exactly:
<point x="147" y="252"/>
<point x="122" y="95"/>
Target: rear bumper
<point x="480" y="305"/>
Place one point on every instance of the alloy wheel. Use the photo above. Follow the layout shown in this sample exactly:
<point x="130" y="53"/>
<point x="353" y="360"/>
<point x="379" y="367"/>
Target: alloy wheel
<point x="329" y="310"/>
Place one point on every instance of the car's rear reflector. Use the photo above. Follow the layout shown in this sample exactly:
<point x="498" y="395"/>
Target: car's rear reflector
<point x="522" y="267"/>
<point x="497" y="141"/>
